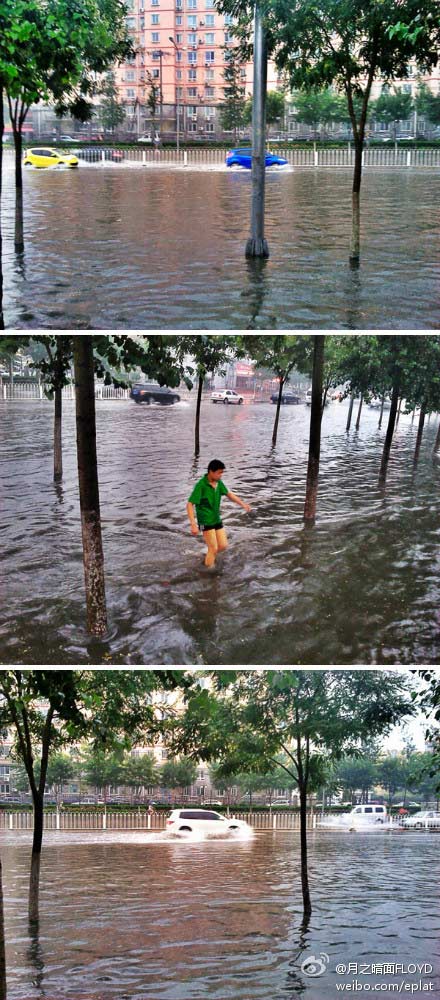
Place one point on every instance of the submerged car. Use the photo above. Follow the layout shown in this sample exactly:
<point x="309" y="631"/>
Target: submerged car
<point x="286" y="397"/>
<point x="226" y="396"/>
<point x="150" y="392"/>
<point x="203" y="821"/>
<point x="42" y="156"/>
<point x="243" y="158"/>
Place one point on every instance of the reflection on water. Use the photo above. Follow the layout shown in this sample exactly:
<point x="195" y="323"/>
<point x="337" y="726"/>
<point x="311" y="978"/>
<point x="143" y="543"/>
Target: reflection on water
<point x="142" y="919"/>
<point x="109" y="248"/>
<point x="361" y="587"/>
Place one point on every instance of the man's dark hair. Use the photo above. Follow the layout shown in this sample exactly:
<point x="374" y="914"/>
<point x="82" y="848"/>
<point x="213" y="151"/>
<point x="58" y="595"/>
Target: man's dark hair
<point x="215" y="465"/>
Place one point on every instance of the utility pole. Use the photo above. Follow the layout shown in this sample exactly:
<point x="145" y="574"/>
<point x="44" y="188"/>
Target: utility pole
<point x="256" y="245"/>
<point x="171" y="39"/>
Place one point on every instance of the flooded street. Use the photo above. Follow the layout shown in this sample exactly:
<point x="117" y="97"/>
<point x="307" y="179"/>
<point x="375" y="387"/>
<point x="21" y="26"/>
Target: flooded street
<point x="133" y="917"/>
<point x="112" y="247"/>
<point x="361" y="587"/>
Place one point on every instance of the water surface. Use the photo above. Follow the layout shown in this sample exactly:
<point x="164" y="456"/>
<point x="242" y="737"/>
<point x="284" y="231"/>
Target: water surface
<point x="361" y="587"/>
<point x="111" y="247"/>
<point x="140" y="918"/>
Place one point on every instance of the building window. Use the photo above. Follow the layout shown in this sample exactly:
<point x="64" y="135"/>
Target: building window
<point x="192" y="57"/>
<point x="192" y="126"/>
<point x="179" y="20"/>
<point x="209" y="127"/>
<point x="154" y="36"/>
<point x="209" y="20"/>
<point x="130" y="93"/>
<point x="192" y="74"/>
<point x="228" y="20"/>
<point x="192" y="91"/>
<point x="179" y="38"/>
<point x="130" y="74"/>
<point x="131" y="23"/>
<point x="178" y="57"/>
<point x="191" y="21"/>
<point x="179" y="92"/>
<point x="209" y="57"/>
<point x="192" y="38"/>
<point x="129" y="110"/>
<point x="178" y="74"/>
<point x="192" y="109"/>
<point x="209" y="38"/>
<point x="406" y="88"/>
<point x="155" y="74"/>
<point x="155" y="19"/>
<point x="191" y="5"/>
<point x="209" y="4"/>
<point x="209" y="92"/>
<point x="209" y="74"/>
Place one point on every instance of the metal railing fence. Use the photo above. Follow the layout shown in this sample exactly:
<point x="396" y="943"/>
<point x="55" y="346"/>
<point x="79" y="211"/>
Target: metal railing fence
<point x="133" y="820"/>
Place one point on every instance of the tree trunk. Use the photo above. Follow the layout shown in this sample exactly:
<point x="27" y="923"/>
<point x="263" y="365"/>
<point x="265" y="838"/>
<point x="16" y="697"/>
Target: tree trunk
<point x="2" y="128"/>
<point x="57" y="436"/>
<point x="389" y="434"/>
<point x="277" y="415"/>
<point x="315" y="430"/>
<point x="197" y="425"/>
<point x="307" y="905"/>
<point x="381" y="410"/>
<point x="350" y="412"/>
<point x="437" y="440"/>
<point x="398" y="411"/>
<point x="355" y="245"/>
<point x="420" y="433"/>
<point x="2" y="943"/>
<point x="256" y="245"/>
<point x="19" y="235"/>
<point x="88" y="485"/>
<point x="34" y="888"/>
<point x="358" y="421"/>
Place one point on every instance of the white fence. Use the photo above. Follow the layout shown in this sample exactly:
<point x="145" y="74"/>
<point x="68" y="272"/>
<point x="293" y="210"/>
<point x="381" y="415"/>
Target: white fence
<point x="157" y="821"/>
<point x="32" y="391"/>
<point x="314" y="156"/>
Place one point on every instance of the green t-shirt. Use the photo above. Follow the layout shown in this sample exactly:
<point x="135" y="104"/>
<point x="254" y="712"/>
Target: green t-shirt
<point x="207" y="500"/>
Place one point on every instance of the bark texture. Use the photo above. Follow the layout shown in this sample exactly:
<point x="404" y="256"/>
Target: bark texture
<point x="93" y="556"/>
<point x="315" y="430"/>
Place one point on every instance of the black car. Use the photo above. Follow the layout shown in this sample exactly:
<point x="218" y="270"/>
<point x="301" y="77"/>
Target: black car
<point x="150" y="392"/>
<point x="286" y="397"/>
<point x="94" y="154"/>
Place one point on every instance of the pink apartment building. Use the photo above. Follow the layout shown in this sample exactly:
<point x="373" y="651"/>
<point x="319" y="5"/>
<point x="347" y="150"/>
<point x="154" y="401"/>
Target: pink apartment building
<point x="182" y="45"/>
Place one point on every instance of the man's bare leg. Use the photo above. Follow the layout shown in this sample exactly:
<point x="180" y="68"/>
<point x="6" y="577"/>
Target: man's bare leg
<point x="211" y="541"/>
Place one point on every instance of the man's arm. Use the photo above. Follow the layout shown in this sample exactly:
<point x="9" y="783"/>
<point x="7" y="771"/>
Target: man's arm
<point x="236" y="499"/>
<point x="192" y="518"/>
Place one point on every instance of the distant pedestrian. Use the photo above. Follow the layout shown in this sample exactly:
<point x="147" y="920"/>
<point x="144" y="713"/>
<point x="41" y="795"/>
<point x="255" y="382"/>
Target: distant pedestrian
<point x="206" y="498"/>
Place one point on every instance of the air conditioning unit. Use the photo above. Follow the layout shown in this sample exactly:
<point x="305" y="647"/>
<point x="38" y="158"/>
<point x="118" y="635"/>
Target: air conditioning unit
<point x="194" y="118"/>
<point x="208" y="64"/>
<point x="202" y="24"/>
<point x="194" y="47"/>
<point x="200" y="41"/>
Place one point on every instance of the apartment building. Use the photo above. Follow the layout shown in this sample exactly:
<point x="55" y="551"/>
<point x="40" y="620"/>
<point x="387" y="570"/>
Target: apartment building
<point x="181" y="48"/>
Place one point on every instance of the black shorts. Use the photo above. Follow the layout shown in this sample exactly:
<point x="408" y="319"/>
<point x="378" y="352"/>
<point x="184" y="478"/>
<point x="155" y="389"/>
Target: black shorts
<point x="211" y="527"/>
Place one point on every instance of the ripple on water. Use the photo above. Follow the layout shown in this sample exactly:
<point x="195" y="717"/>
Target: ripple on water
<point x="362" y="587"/>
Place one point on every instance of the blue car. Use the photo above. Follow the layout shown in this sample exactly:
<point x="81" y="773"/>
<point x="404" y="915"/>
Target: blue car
<point x="243" y="158"/>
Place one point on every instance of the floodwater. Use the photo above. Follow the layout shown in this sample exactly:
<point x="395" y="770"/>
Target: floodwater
<point x="361" y="587"/>
<point x="112" y="247"/>
<point x="134" y="917"/>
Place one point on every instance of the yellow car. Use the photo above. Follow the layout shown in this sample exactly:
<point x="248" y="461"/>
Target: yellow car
<point x="44" y="157"/>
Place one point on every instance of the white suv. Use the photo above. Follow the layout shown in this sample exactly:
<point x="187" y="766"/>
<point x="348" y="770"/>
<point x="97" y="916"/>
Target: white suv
<point x="203" y="821"/>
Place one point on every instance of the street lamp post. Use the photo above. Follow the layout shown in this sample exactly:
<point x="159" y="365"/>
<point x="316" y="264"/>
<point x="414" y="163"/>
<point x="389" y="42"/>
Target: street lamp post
<point x="256" y="245"/>
<point x="171" y="39"/>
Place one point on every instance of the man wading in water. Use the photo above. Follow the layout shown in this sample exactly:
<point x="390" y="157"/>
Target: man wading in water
<point x="206" y="497"/>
